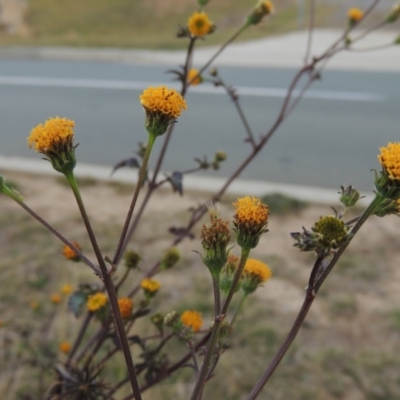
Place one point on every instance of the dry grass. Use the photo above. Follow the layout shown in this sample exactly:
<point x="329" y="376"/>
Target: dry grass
<point x="149" y="24"/>
<point x="339" y="353"/>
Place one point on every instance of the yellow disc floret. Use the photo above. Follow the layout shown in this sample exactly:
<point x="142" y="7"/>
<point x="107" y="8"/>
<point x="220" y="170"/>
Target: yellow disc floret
<point x="164" y="101"/>
<point x="192" y="319"/>
<point x="199" y="24"/>
<point x="96" y="301"/>
<point x="66" y="289"/>
<point x="193" y="77"/>
<point x="389" y="158"/>
<point x="150" y="285"/>
<point x="257" y="269"/>
<point x="49" y="135"/>
<point x="250" y="209"/>
<point x="355" y="14"/>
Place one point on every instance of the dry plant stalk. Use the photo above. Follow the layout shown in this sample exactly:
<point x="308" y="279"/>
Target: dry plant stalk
<point x="80" y="374"/>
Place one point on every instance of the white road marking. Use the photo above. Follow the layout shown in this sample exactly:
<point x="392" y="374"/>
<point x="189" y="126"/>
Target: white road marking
<point x="205" y="88"/>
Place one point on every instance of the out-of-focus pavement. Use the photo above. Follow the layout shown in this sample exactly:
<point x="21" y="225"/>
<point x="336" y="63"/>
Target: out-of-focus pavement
<point x="277" y="51"/>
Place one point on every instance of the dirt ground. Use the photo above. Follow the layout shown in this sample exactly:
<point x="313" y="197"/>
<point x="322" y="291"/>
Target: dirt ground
<point x="355" y="309"/>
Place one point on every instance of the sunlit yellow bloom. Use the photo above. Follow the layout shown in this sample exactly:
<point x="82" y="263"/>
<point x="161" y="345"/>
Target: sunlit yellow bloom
<point x="66" y="289"/>
<point x="56" y="298"/>
<point x="55" y="140"/>
<point x="257" y="269"/>
<point x="193" y="77"/>
<point x="390" y="160"/>
<point x="355" y="14"/>
<point x="150" y="285"/>
<point x="199" y="24"/>
<point x="251" y="210"/>
<point x="70" y="254"/>
<point x="162" y="106"/>
<point x="250" y="221"/>
<point x="255" y="272"/>
<point x="49" y="136"/>
<point x="192" y="319"/>
<point x="164" y="101"/>
<point x="65" y="347"/>
<point x="96" y="301"/>
<point x="125" y="307"/>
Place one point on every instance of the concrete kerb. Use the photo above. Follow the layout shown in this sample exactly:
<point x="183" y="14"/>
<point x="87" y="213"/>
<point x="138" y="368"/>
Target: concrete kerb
<point x="239" y="187"/>
<point x="279" y="51"/>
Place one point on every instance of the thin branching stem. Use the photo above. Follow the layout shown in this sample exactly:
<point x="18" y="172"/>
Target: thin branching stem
<point x="109" y="285"/>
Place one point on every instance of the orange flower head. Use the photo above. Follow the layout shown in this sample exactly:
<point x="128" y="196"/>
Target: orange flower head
<point x="70" y="254"/>
<point x="192" y="319"/>
<point x="125" y="307"/>
<point x="56" y="298"/>
<point x="65" y="347"/>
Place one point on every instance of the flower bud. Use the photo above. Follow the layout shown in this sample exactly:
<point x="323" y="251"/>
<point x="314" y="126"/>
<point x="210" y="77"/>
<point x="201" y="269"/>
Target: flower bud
<point x="349" y="196"/>
<point x="262" y="9"/>
<point x="171" y="257"/>
<point x="132" y="259"/>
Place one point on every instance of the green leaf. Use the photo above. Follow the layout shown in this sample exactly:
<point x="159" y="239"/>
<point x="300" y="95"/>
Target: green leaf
<point x="76" y="302"/>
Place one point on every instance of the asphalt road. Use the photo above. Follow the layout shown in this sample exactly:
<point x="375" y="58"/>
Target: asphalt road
<point x="331" y="139"/>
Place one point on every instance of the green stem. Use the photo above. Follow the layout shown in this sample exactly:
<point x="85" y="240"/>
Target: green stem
<point x="244" y="297"/>
<point x="198" y="389"/>
<point x="142" y="175"/>
<point x="109" y="285"/>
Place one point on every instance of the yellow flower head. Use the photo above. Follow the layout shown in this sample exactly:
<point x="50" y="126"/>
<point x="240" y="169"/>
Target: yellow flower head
<point x="262" y="9"/>
<point x="251" y="210"/>
<point x="193" y="77"/>
<point x="70" y="254"/>
<point x="66" y="289"/>
<point x="355" y="14"/>
<point x="65" y="347"/>
<point x="48" y="136"/>
<point x="255" y="272"/>
<point x="125" y="307"/>
<point x="192" y="319"/>
<point x="162" y="106"/>
<point x="150" y="285"/>
<point x="96" y="301"/>
<point x="55" y="139"/>
<point x="390" y="160"/>
<point x="250" y="220"/>
<point x="199" y="24"/>
<point x="257" y="269"/>
<point x="56" y="298"/>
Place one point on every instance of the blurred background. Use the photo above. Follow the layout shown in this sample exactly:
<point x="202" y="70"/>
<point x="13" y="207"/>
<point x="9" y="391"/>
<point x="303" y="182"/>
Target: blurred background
<point x="61" y="58"/>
